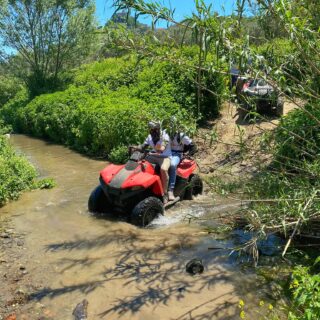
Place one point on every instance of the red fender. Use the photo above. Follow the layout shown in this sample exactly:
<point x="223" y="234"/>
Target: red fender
<point x="145" y="180"/>
<point x="185" y="168"/>
<point x="109" y="172"/>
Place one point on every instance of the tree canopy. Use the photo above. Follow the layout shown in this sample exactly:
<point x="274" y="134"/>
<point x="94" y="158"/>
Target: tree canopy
<point x="49" y="35"/>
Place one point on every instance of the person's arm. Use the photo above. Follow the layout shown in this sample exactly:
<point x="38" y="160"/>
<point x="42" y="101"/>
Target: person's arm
<point x="162" y="144"/>
<point x="188" y="146"/>
<point x="144" y="145"/>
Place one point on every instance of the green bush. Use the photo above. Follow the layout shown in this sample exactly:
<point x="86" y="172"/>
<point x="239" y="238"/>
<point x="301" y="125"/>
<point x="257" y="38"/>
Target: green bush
<point x="4" y="128"/>
<point x="111" y="73"/>
<point x="165" y="84"/>
<point x="93" y="124"/>
<point x="108" y="105"/>
<point x="297" y="138"/>
<point x="16" y="173"/>
<point x="9" y="87"/>
<point x="119" y="155"/>
<point x="305" y="288"/>
<point x="11" y="111"/>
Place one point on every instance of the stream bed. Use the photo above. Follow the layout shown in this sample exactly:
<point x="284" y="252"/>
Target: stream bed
<point x="67" y="254"/>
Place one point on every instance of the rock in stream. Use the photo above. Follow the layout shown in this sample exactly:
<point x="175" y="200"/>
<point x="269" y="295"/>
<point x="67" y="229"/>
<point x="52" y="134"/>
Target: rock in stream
<point x="80" y="311"/>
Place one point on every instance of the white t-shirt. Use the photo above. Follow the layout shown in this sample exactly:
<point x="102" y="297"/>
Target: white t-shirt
<point x="164" y="140"/>
<point x="184" y="140"/>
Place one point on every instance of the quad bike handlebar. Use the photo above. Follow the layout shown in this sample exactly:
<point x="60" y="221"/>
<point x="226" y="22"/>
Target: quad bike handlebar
<point x="138" y="153"/>
<point x="143" y="152"/>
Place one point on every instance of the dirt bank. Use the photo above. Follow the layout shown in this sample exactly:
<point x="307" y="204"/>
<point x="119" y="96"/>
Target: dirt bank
<point x="231" y="147"/>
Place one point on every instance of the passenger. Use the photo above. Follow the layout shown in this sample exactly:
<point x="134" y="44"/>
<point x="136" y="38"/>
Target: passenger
<point x="180" y="143"/>
<point x="159" y="141"/>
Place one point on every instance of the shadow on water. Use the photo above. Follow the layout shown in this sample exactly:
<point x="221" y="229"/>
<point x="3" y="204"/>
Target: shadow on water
<point x="157" y="271"/>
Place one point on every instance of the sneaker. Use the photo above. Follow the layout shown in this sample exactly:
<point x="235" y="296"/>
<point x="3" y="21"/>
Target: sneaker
<point x="171" y="196"/>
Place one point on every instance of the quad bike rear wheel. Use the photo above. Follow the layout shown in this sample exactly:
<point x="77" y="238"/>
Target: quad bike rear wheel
<point x="146" y="211"/>
<point x="194" y="188"/>
<point x="98" y="201"/>
<point x="279" y="107"/>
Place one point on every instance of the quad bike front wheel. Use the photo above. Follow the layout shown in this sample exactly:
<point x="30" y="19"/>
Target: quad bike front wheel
<point x="194" y="188"/>
<point x="146" y="211"/>
<point x="98" y="201"/>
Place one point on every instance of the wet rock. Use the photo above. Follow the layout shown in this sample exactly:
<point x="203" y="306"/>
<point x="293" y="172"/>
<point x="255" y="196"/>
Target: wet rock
<point x="80" y="311"/>
<point x="20" y="243"/>
<point x="20" y="291"/>
<point x="194" y="266"/>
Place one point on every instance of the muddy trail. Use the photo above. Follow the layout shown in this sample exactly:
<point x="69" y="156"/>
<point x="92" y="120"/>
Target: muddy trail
<point x="54" y="253"/>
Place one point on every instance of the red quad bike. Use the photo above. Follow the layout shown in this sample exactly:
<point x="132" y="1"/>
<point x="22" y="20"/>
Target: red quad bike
<point x="136" y="188"/>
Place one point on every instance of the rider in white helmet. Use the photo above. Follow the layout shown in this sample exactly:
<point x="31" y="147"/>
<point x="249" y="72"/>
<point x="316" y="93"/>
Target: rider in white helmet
<point x="159" y="141"/>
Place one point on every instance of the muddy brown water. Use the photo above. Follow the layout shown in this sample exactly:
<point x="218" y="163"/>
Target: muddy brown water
<point x="123" y="271"/>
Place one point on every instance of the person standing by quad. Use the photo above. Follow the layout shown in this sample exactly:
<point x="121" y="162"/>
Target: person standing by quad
<point x="159" y="141"/>
<point x="180" y="143"/>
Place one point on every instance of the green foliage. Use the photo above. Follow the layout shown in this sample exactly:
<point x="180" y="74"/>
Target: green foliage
<point x="298" y="137"/>
<point x="108" y="105"/>
<point x="93" y="124"/>
<point x="275" y="51"/>
<point x="13" y="108"/>
<point x="164" y="84"/>
<point x="9" y="87"/>
<point x="46" y="183"/>
<point x="50" y="36"/>
<point x="4" y="128"/>
<point x="119" y="155"/>
<point x="16" y="173"/>
<point x="111" y="72"/>
<point x="305" y="288"/>
<point x="281" y="201"/>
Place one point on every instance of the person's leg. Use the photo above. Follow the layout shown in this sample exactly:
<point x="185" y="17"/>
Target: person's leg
<point x="164" y="164"/>
<point x="164" y="173"/>
<point x="175" y="160"/>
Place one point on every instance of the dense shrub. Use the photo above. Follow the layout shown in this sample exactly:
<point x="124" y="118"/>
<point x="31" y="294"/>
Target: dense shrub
<point x="298" y="137"/>
<point x="305" y="289"/>
<point x="110" y="102"/>
<point x="11" y="110"/>
<point x="90" y="123"/>
<point x="16" y="173"/>
<point x="4" y="128"/>
<point x="111" y="73"/>
<point x="9" y="87"/>
<point x="164" y="84"/>
<point x="119" y="155"/>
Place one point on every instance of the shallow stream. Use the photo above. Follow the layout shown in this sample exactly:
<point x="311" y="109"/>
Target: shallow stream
<point x="123" y="271"/>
